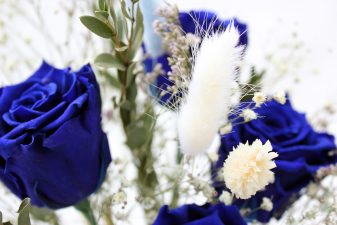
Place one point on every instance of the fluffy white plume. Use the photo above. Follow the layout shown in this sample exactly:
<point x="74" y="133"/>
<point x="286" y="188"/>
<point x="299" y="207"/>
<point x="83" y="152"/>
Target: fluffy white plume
<point x="208" y="99"/>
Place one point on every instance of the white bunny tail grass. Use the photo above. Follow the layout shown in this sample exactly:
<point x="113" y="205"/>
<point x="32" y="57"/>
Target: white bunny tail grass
<point x="207" y="103"/>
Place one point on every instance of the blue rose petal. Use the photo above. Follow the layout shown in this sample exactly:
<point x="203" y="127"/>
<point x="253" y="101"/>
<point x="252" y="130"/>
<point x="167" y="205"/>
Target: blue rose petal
<point x="218" y="214"/>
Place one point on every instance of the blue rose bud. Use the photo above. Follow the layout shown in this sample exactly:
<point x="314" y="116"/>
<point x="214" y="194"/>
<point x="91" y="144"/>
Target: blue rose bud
<point x="301" y="152"/>
<point x="52" y="147"/>
<point x="218" y="214"/>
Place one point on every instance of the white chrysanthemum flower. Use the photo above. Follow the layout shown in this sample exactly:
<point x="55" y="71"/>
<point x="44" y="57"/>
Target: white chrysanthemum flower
<point x="248" y="168"/>
<point x="259" y="98"/>
<point x="266" y="204"/>
<point x="280" y="97"/>
<point x="248" y="115"/>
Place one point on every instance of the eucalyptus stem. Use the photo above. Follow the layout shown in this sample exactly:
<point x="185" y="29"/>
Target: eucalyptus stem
<point x="85" y="208"/>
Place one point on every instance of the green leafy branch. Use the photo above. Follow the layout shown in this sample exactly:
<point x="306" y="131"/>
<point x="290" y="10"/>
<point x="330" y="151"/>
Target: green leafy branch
<point x="124" y="27"/>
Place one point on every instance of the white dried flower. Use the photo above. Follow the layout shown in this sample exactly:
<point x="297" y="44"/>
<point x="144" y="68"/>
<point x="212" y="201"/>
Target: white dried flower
<point x="266" y="204"/>
<point x="312" y="189"/>
<point x="192" y="39"/>
<point x="226" y="197"/>
<point x="259" y="98"/>
<point x="280" y="97"/>
<point x="248" y="168"/>
<point x="213" y="156"/>
<point x="209" y="94"/>
<point x="226" y="129"/>
<point x="248" y="115"/>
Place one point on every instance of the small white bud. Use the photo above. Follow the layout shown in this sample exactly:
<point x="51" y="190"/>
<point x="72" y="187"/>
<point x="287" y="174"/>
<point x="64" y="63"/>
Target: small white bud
<point x="226" y="198"/>
<point x="266" y="204"/>
<point x="192" y="39"/>
<point x="280" y="97"/>
<point x="226" y="129"/>
<point x="213" y="156"/>
<point x="248" y="115"/>
<point x="119" y="197"/>
<point x="259" y="98"/>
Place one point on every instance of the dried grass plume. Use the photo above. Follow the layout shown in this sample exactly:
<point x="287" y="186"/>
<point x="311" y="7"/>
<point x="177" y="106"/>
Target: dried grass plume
<point x="207" y="102"/>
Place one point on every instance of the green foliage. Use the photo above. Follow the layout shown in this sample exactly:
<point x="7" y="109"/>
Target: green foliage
<point x="124" y="26"/>
<point x="44" y="214"/>
<point x="102" y="5"/>
<point x="85" y="208"/>
<point x="24" y="211"/>
<point x="252" y="85"/>
<point x="124" y="11"/>
<point x="137" y="35"/>
<point x="97" y="26"/>
<point x="108" y="61"/>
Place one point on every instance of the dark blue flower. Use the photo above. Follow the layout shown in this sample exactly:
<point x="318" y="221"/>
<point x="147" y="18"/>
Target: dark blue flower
<point x="196" y="22"/>
<point x="218" y="214"/>
<point x="202" y="22"/>
<point x="302" y="151"/>
<point x="52" y="147"/>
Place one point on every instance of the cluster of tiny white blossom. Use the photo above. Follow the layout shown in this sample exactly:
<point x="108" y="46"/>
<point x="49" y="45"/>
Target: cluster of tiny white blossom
<point x="247" y="113"/>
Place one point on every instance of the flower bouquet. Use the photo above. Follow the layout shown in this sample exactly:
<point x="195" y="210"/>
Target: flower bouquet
<point x="167" y="125"/>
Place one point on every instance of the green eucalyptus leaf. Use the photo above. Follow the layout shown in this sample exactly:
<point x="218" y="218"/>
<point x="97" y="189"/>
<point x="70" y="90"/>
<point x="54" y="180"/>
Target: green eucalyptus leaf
<point x="113" y="81"/>
<point x="113" y="14"/>
<point x="102" y="4"/>
<point x="126" y="105"/>
<point x="137" y="136"/>
<point x="139" y="16"/>
<point x="23" y="211"/>
<point x="130" y="75"/>
<point x="137" y="36"/>
<point x="103" y="15"/>
<point x="0" y="217"/>
<point x="107" y="60"/>
<point x="122" y="26"/>
<point x="132" y="92"/>
<point x="97" y="26"/>
<point x="85" y="208"/>
<point x="124" y="11"/>
<point x="43" y="214"/>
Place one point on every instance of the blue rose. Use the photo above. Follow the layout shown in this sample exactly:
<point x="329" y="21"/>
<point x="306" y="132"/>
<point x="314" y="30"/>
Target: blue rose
<point x="52" y="147"/>
<point x="302" y="151"/>
<point x="218" y="214"/>
<point x="191" y="22"/>
<point x="197" y="22"/>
